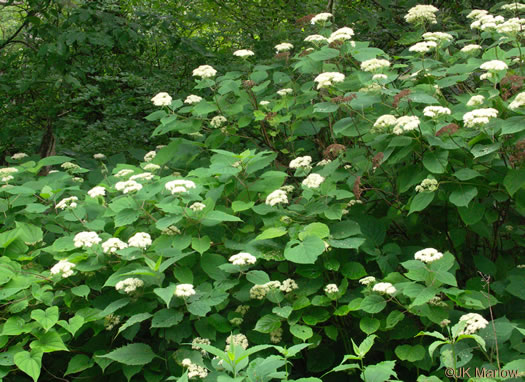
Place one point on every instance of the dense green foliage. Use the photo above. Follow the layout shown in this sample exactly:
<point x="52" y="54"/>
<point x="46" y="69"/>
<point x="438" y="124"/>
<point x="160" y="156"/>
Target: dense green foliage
<point x="374" y="198"/>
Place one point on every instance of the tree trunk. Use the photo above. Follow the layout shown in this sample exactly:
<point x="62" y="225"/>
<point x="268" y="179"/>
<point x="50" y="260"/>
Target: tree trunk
<point x="47" y="147"/>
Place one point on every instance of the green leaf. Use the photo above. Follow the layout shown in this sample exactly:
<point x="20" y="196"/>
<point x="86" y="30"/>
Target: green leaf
<point x="238" y="206"/>
<point x="29" y="233"/>
<point x="216" y="217"/>
<point x="257" y="277"/>
<point x="13" y="326"/>
<point x="305" y="252"/>
<point x="514" y="180"/>
<point x="421" y="201"/>
<point x="410" y="353"/>
<point x="353" y="270"/>
<point x="201" y="244"/>
<point x="380" y="372"/>
<point x="271" y="233"/>
<point x="325" y="107"/>
<point x="268" y="323"/>
<point x="166" y="318"/>
<point x="199" y="308"/>
<point x="373" y="304"/>
<point x="135" y="319"/>
<point x="132" y="354"/>
<point x="482" y="150"/>
<point x="29" y="362"/>
<point x="78" y="363"/>
<point x="466" y="174"/>
<point x="462" y="195"/>
<point x="204" y="107"/>
<point x="46" y="319"/>
<point x="283" y="312"/>
<point x="325" y="53"/>
<point x="126" y="217"/>
<point x="366" y="345"/>
<point x="473" y="214"/>
<point x="166" y="294"/>
<point x="49" y="342"/>
<point x="315" y="229"/>
<point x="81" y="291"/>
<point x="436" y="161"/>
<point x="301" y="331"/>
<point x="369" y="325"/>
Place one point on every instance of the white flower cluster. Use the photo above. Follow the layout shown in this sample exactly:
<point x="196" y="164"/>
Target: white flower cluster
<point x="428" y="255"/>
<point x="288" y="286"/>
<point x="353" y="202"/>
<point x="276" y="335"/>
<point x="301" y="162"/>
<point x="194" y="370"/>
<point x="284" y="92"/>
<point x="438" y="37"/>
<point x="150" y="156"/>
<point x="494" y="66"/>
<point x="479" y="117"/>
<point x="5" y="173"/>
<point x="471" y="48"/>
<point x="151" y="167"/>
<point x="97" y="191"/>
<point x="485" y="21"/>
<point x="437" y="301"/>
<point x="242" y="258"/>
<point x="128" y="186"/>
<point x="421" y="13"/>
<point x="86" y="239"/>
<point x="313" y="181"/>
<point x="374" y="64"/>
<point x="406" y="123"/>
<point x="69" y="166"/>
<point x="99" y="156"/>
<point x="315" y="38"/>
<point x="343" y="33"/>
<point x="384" y="288"/>
<point x="67" y="203"/>
<point x="510" y="27"/>
<point x="243" y="53"/>
<point x="283" y="47"/>
<point x="111" y="320"/>
<point x="140" y="240"/>
<point x="288" y="188"/>
<point x="474" y="322"/>
<point x="518" y="102"/>
<point x="264" y="103"/>
<point x="192" y="98"/>
<point x="64" y="267"/>
<point x="477" y="13"/>
<point x="423" y="47"/>
<point x="242" y="309"/>
<point x="77" y="179"/>
<point x="379" y="76"/>
<point x="112" y="245"/>
<point x="324" y="162"/>
<point x="367" y="280"/>
<point x="321" y="17"/>
<point x="142" y="176"/>
<point x="198" y="341"/>
<point x="204" y="71"/>
<point x="171" y="231"/>
<point x="129" y="285"/>
<point x="331" y="289"/>
<point x="18" y="156"/>
<point x="123" y="173"/>
<point x="259" y="291"/>
<point x="427" y="184"/>
<point x="179" y="185"/>
<point x="184" y="290"/>
<point x="161" y="99"/>
<point x="217" y="121"/>
<point x="513" y="7"/>
<point x="476" y="100"/>
<point x="435" y="111"/>
<point x="237" y="340"/>
<point x="384" y="121"/>
<point x="276" y="197"/>
<point x="328" y="79"/>
<point x="197" y="206"/>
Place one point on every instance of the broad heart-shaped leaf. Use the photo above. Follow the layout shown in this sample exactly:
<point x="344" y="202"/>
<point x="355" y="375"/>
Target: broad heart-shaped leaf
<point x="29" y="362"/>
<point x="166" y="318"/>
<point x="29" y="233"/>
<point x="46" y="319"/>
<point x="305" y="252"/>
<point x="271" y="233"/>
<point x="126" y="216"/>
<point x="410" y="353"/>
<point x="373" y="303"/>
<point x="199" y="308"/>
<point x="48" y="342"/>
<point x="380" y="372"/>
<point x="134" y="320"/>
<point x="369" y="325"/>
<point x="216" y="217"/>
<point x="79" y="363"/>
<point x="268" y="323"/>
<point x="132" y="354"/>
<point x="436" y="161"/>
<point x="514" y="180"/>
<point x="75" y="323"/>
<point x="421" y="201"/>
<point x="325" y="53"/>
<point x="201" y="244"/>
<point x="166" y="294"/>
<point x="315" y="229"/>
<point x="462" y="195"/>
<point x="301" y="331"/>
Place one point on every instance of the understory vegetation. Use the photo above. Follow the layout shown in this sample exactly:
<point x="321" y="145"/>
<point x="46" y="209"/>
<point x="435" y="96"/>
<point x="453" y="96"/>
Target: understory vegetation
<point x="315" y="205"/>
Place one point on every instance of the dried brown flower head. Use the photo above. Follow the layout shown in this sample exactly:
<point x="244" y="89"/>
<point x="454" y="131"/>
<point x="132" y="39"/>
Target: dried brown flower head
<point x="248" y="84"/>
<point x="342" y="99"/>
<point x="305" y="19"/>
<point x="270" y="116"/>
<point x="399" y="96"/>
<point x="377" y="159"/>
<point x="449" y="129"/>
<point x="282" y="56"/>
<point x="510" y="85"/>
<point x="357" y="188"/>
<point x="333" y="151"/>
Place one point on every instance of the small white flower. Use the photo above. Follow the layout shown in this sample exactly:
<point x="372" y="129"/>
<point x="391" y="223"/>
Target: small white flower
<point x="69" y="166"/>
<point x="218" y="121"/>
<point x="143" y="176"/>
<point x="64" y="267"/>
<point x="77" y="179"/>
<point x="427" y="184"/>
<point x="276" y="335"/>
<point x="343" y="33"/>
<point x="110" y="321"/>
<point x="324" y="162"/>
<point x="423" y="47"/>
<point x="315" y="38"/>
<point x="436" y="111"/>
<point x="301" y="162"/>
<point x="258" y="292"/>
<point x="67" y="203"/>
<point x="384" y="288"/>
<point x="86" y="239"/>
<point x="140" y="240"/>
<point x="313" y="181"/>
<point x="197" y="206"/>
<point x="97" y="191"/>
<point x="383" y="122"/>
<point x="379" y="76"/>
<point x="494" y="65"/>
<point x="123" y="173"/>
<point x="243" y="53"/>
<point x="284" y="92"/>
<point x="510" y="27"/>
<point x="471" y="48"/>
<point x="479" y="117"/>
<point x="149" y="156"/>
<point x="421" y="13"/>
<point x="129" y="285"/>
<point x="171" y="231"/>
<point x="328" y="79"/>
<point x="198" y="341"/>
<point x="192" y="98"/>
<point x="184" y="290"/>
<point x="428" y="255"/>
<point x="321" y="17"/>
<point x="374" y="65"/>
<point x="7" y="179"/>
<point x="128" y="186"/>
<point x="162" y="99"/>
<point x="99" y="156"/>
<point x="288" y="286"/>
<point x="112" y="245"/>
<point x="151" y="167"/>
<point x="242" y="258"/>
<point x="331" y="288"/>
<point x="518" y="102"/>
<point x="264" y="103"/>
<point x="438" y="37"/>
<point x="283" y="47"/>
<point x="287" y="188"/>
<point x="476" y="100"/>
<point x="367" y="280"/>
<point x="477" y="13"/>
<point x="179" y="186"/>
<point x="406" y="123"/>
<point x="276" y="197"/>
<point x="204" y="71"/>
<point x="237" y="340"/>
<point x="18" y="156"/>
<point x="474" y="322"/>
